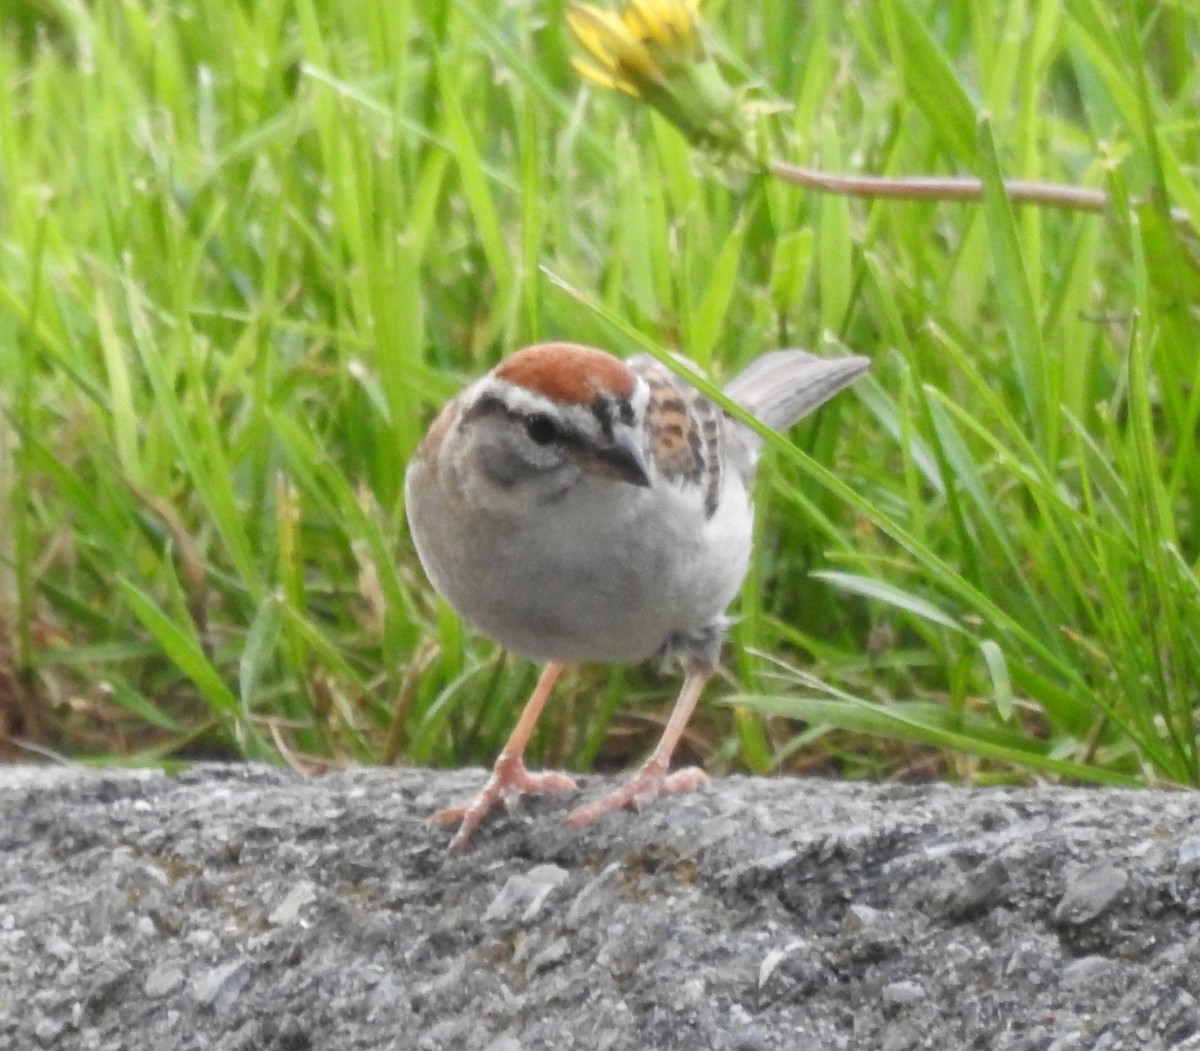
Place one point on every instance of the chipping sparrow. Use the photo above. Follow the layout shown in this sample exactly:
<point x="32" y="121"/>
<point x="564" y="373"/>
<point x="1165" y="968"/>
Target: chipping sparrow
<point x="573" y="506"/>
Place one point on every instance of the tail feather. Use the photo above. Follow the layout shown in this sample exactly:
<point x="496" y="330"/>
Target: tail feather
<point x="785" y="385"/>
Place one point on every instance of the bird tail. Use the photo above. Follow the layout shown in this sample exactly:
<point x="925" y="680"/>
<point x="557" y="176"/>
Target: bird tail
<point x="785" y="385"/>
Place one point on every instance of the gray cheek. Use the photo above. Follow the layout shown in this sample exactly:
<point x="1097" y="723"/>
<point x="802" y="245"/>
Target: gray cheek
<point x="500" y="465"/>
<point x="509" y="470"/>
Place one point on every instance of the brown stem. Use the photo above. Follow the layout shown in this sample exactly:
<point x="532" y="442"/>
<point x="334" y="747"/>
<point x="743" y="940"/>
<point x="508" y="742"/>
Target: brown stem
<point x="950" y="188"/>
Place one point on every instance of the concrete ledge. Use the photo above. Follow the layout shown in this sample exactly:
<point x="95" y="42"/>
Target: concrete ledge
<point x="238" y="907"/>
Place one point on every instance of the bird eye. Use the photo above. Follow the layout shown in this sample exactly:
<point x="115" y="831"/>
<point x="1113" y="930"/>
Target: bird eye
<point x="542" y="430"/>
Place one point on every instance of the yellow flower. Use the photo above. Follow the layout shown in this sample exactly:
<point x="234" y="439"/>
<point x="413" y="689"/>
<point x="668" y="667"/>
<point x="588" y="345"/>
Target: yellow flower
<point x="632" y="48"/>
<point x="653" y="50"/>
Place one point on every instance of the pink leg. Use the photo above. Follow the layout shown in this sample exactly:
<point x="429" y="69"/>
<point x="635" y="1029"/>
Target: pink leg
<point x="510" y="780"/>
<point x="652" y="780"/>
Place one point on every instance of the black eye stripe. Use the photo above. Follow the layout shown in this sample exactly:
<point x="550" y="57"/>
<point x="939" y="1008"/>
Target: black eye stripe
<point x="487" y="405"/>
<point x="563" y="434"/>
<point x="602" y="411"/>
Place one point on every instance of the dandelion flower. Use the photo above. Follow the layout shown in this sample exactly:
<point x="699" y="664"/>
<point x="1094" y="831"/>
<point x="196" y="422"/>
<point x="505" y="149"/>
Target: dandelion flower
<point x="654" y="50"/>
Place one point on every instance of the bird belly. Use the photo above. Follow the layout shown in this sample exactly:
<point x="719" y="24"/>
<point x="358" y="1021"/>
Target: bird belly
<point x="608" y="575"/>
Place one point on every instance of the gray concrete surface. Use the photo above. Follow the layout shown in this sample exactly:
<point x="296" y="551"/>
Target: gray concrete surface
<point x="238" y="908"/>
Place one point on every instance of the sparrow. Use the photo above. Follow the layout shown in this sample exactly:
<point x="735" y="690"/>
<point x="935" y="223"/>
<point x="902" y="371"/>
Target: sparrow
<point x="573" y="507"/>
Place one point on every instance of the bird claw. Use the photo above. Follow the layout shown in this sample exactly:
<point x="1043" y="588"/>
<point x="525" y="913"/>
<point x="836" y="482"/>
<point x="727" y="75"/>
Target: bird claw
<point x="508" y="782"/>
<point x="650" y="782"/>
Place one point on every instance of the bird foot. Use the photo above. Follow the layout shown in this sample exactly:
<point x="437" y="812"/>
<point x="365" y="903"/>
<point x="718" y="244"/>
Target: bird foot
<point x="508" y="782"/>
<point x="650" y="782"/>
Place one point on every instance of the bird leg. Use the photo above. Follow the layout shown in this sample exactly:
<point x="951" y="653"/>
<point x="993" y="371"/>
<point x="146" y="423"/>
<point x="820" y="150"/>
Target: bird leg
<point x="652" y="780"/>
<point x="510" y="780"/>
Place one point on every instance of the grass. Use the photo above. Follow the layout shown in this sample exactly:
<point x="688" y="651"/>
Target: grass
<point x="247" y="250"/>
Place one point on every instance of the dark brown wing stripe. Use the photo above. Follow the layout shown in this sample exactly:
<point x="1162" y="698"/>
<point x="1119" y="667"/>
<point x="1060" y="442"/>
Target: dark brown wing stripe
<point x="684" y="433"/>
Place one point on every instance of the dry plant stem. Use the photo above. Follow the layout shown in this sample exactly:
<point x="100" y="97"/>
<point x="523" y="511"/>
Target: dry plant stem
<point x="951" y="188"/>
<point x="397" y="734"/>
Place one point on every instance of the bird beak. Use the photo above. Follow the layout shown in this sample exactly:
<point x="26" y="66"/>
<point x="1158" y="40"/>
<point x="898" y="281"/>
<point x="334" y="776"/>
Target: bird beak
<point x="624" y="459"/>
